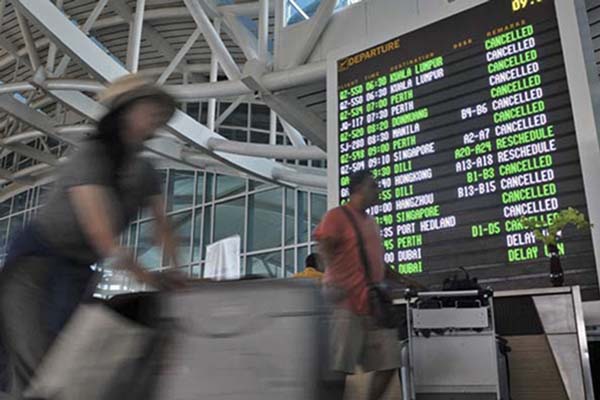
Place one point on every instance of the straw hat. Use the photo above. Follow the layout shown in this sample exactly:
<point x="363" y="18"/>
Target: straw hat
<point x="130" y="88"/>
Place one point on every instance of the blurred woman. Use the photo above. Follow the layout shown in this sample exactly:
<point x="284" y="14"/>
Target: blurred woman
<point x="97" y="193"/>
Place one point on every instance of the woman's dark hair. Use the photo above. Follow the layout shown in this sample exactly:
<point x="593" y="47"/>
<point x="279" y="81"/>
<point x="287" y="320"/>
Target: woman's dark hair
<point x="109" y="133"/>
<point x="109" y="137"/>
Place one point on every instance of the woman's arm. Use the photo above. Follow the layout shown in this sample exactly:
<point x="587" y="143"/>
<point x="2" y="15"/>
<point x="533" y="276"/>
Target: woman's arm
<point x="163" y="230"/>
<point x="92" y="208"/>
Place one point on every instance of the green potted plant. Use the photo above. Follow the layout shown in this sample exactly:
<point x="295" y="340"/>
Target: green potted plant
<point x="550" y="234"/>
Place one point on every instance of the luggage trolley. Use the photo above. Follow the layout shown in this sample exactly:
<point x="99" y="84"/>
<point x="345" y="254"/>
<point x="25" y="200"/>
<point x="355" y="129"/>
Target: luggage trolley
<point x="452" y="347"/>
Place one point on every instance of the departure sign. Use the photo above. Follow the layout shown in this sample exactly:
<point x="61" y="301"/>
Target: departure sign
<point x="467" y="125"/>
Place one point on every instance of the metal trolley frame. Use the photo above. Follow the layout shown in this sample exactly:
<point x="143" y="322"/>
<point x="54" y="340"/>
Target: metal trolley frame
<point x="452" y="348"/>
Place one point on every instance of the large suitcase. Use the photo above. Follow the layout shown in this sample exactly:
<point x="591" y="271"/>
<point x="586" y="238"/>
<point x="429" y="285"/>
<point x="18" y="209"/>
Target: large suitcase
<point x="245" y="340"/>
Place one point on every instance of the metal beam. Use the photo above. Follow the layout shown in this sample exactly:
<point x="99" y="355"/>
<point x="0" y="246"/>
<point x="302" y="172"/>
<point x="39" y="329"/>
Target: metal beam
<point x="49" y="19"/>
<point x="60" y="84"/>
<point x="7" y="45"/>
<point x="293" y="134"/>
<point x="299" y="9"/>
<point x="179" y="57"/>
<point x="191" y="68"/>
<point x="213" y="38"/>
<point x="263" y="30"/>
<point x="9" y="176"/>
<point x="150" y="33"/>
<point x="291" y="110"/>
<point x="77" y="131"/>
<point x="214" y="72"/>
<point x="319" y="22"/>
<point x="268" y="150"/>
<point x="292" y="176"/>
<point x="31" y="117"/>
<point x="135" y="37"/>
<point x="273" y="81"/>
<point x="242" y="36"/>
<point x="34" y="153"/>
<point x="34" y="57"/>
<point x="87" y="26"/>
<point x="272" y="127"/>
<point x="244" y="9"/>
<point x="279" y="22"/>
<point x="51" y="58"/>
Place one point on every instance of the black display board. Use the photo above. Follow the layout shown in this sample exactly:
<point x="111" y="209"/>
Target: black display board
<point x="467" y="125"/>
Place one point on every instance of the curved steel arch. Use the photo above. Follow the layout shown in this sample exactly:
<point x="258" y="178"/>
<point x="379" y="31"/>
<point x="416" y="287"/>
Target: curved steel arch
<point x="80" y="47"/>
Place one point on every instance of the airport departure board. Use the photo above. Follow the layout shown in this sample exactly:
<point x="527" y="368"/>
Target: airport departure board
<point x="467" y="125"/>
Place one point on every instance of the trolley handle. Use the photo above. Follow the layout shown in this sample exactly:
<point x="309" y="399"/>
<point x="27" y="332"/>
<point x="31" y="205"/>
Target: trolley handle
<point x="457" y="293"/>
<point x="446" y="294"/>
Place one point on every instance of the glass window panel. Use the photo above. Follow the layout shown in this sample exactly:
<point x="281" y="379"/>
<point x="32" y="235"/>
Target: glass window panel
<point x="203" y="113"/>
<point x="229" y="219"/>
<point x="290" y="218"/>
<point x="132" y="235"/>
<point x="193" y="109"/>
<point x="206" y="227"/>
<point x="32" y="200"/>
<point x="255" y="184"/>
<point x="289" y="263"/>
<point x="318" y="207"/>
<point x="44" y="191"/>
<point x="302" y="217"/>
<point x="261" y="117"/>
<point x="182" y="226"/>
<point x="162" y="174"/>
<point x="196" y="271"/>
<point x="234" y="134"/>
<point x="308" y="7"/>
<point x="147" y="253"/>
<point x="268" y="264"/>
<point x="221" y="106"/>
<point x="3" y="235"/>
<point x="239" y="117"/>
<point x="180" y="193"/>
<point x="228" y="186"/>
<point x="197" y="230"/>
<point x="20" y="202"/>
<point x="200" y="188"/>
<point x="5" y="207"/>
<point x="264" y="220"/>
<point x="302" y="253"/>
<point x="16" y="224"/>
<point x="210" y="183"/>
<point x="259" y="137"/>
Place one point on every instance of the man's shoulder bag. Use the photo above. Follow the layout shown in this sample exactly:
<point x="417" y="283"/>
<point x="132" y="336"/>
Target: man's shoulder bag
<point x="380" y="302"/>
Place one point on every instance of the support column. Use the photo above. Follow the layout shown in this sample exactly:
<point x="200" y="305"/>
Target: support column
<point x="135" y="37"/>
<point x="214" y="74"/>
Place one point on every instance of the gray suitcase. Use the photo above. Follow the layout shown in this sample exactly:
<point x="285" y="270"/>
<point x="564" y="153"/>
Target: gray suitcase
<point x="245" y="340"/>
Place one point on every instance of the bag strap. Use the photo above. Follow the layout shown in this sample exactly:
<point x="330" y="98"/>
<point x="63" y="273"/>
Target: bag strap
<point x="361" y="245"/>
